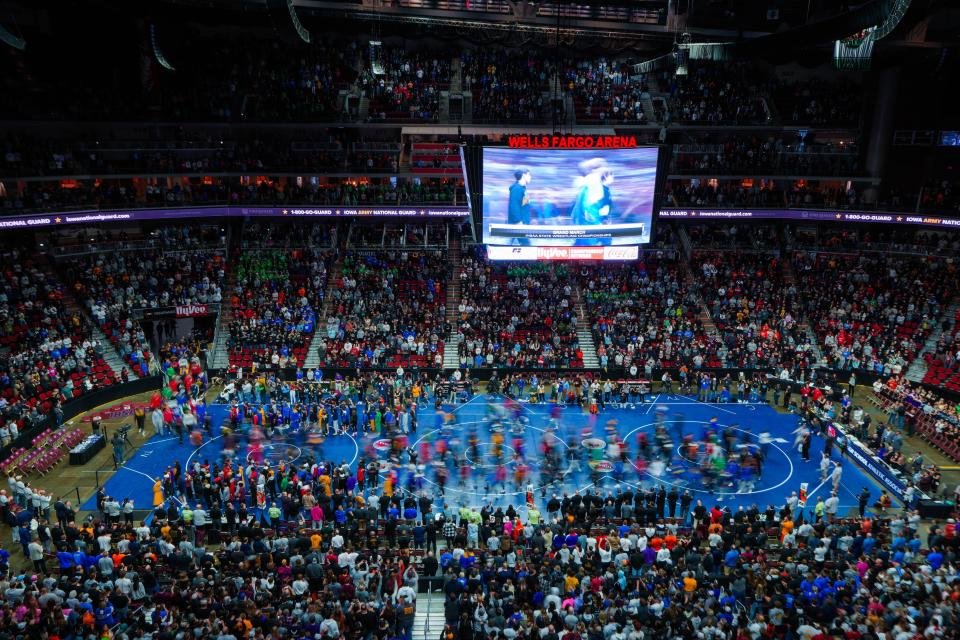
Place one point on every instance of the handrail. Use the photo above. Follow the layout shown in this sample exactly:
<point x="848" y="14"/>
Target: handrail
<point x="426" y="626"/>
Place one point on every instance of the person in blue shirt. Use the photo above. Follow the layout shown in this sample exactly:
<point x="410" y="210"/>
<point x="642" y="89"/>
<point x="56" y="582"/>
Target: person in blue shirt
<point x="823" y="586"/>
<point x="295" y="418"/>
<point x="104" y="614"/>
<point x="808" y="590"/>
<point x="899" y="543"/>
<point x="935" y="558"/>
<point x="731" y="559"/>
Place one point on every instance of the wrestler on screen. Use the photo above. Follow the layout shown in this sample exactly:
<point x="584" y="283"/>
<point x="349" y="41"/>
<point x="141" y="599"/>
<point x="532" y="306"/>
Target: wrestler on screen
<point x="518" y="211"/>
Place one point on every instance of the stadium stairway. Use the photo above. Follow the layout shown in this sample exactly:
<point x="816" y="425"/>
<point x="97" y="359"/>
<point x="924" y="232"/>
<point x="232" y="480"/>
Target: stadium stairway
<point x="456" y="75"/>
<point x="450" y="359"/>
<point x="312" y="360"/>
<point x="704" y="316"/>
<point x="646" y="103"/>
<point x="363" y="110"/>
<point x="218" y="358"/>
<point x="429" y="620"/>
<point x="917" y="370"/>
<point x="790" y="279"/>
<point x="111" y="356"/>
<point x="569" y="110"/>
<point x="584" y="334"/>
<point x="443" y="113"/>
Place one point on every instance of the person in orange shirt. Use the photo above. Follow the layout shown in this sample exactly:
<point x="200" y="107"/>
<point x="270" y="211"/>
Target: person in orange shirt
<point x="244" y="626"/>
<point x="786" y="527"/>
<point x="670" y="541"/>
<point x="88" y="619"/>
<point x="325" y="484"/>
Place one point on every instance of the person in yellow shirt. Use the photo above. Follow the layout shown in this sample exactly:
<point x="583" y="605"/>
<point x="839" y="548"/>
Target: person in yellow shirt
<point x="157" y="493"/>
<point x="325" y="484"/>
<point x="571" y="583"/>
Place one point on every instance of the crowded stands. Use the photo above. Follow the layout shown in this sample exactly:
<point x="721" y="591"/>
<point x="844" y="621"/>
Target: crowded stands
<point x="863" y="315"/>
<point x="275" y="303"/>
<point x="265" y="343"/>
<point x="516" y="315"/>
<point x="50" y="356"/>
<point x="753" y="309"/>
<point x="716" y="93"/>
<point x="387" y="310"/>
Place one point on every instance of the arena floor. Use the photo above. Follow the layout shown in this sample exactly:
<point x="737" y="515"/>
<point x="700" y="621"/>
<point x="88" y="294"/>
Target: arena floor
<point x="783" y="471"/>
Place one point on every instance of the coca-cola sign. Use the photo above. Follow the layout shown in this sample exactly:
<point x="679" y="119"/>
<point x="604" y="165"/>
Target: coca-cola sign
<point x="191" y="310"/>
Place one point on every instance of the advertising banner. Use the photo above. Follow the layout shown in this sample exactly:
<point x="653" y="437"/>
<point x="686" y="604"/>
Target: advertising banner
<point x="811" y="216"/>
<point x="138" y="215"/>
<point x="495" y="252"/>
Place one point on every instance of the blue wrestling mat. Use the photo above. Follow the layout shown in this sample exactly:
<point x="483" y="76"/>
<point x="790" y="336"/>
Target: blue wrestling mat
<point x="469" y="429"/>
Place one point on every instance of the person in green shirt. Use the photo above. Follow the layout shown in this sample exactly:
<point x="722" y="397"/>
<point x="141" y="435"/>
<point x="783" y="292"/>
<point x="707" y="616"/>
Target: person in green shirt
<point x="533" y="517"/>
<point x="819" y="509"/>
<point x="274" y="513"/>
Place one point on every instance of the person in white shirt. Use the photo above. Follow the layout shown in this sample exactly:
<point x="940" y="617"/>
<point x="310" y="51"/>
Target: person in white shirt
<point x="831" y="506"/>
<point x="836" y="475"/>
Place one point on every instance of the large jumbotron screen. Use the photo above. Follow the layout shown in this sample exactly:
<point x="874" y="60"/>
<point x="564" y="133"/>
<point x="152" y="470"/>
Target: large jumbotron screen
<point x="594" y="202"/>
